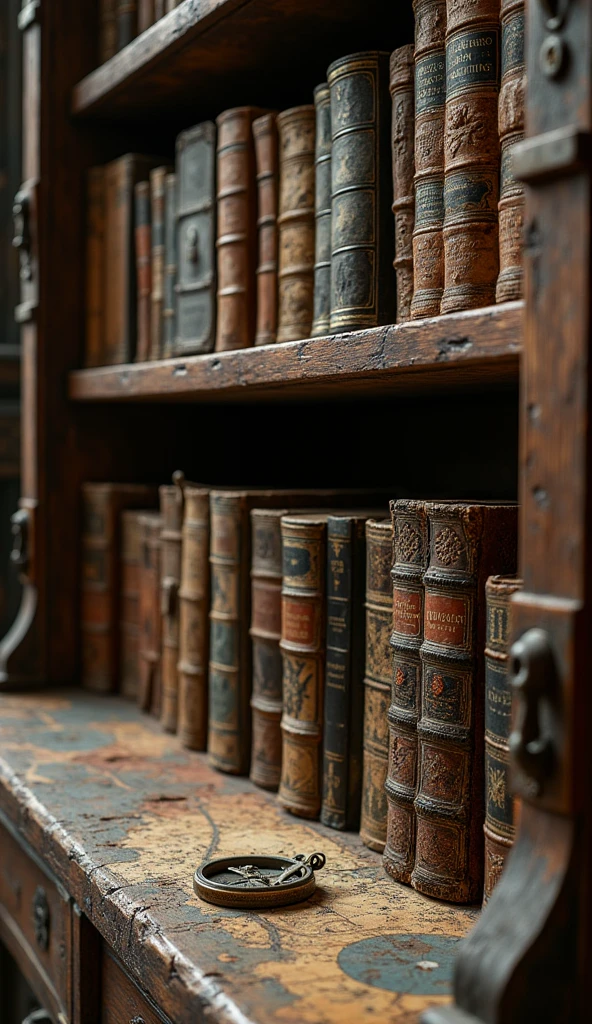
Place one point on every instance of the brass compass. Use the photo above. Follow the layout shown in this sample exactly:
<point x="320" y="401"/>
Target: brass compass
<point x="257" y="882"/>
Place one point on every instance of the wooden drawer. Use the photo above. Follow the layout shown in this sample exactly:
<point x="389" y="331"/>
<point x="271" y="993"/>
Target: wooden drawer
<point x="122" y="1002"/>
<point x="35" y="923"/>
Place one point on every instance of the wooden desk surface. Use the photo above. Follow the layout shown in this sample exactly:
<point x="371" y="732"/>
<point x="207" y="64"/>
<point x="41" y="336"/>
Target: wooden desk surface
<point x="122" y="814"/>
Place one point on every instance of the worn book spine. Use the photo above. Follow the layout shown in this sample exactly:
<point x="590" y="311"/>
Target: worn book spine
<point x="511" y="130"/>
<point x="303" y="656"/>
<point x="267" y="163"/>
<point x="322" y="266"/>
<point x="430" y="99"/>
<point x="127" y="22"/>
<point x="377" y="682"/>
<point x="500" y="825"/>
<point x="296" y="222"/>
<point x="145" y="15"/>
<point x="266" y="607"/>
<point x="169" y="301"/>
<point x="95" y="266"/>
<point x="467" y="544"/>
<point x="130" y="604"/>
<point x="150" y="678"/>
<point x="410" y="533"/>
<point x="362" y="242"/>
<point x="471" y="155"/>
<point x="143" y="268"/>
<point x="343" y="713"/>
<point x="237" y="229"/>
<point x="157" y="193"/>
<point x="171" y="510"/>
<point x="194" y="607"/>
<point x="403" y="159"/>
<point x="108" y="29"/>
<point x="159" y="9"/>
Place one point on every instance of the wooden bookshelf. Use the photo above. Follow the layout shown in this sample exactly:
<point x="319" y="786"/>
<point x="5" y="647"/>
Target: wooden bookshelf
<point x="480" y="347"/>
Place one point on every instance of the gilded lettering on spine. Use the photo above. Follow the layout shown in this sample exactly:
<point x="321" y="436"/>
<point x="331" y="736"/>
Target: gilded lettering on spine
<point x="296" y="222"/>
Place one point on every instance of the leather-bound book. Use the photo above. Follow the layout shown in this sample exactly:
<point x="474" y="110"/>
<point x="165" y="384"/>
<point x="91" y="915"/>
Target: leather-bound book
<point x="467" y="543"/>
<point x="169" y="288"/>
<point x="322" y="265"/>
<point x="130" y="603"/>
<point x="145" y="15"/>
<point x="471" y="155"/>
<point x="102" y="505"/>
<point x="296" y="222"/>
<point x="157" y="194"/>
<point x="107" y="29"/>
<point x="127" y="22"/>
<point x="377" y="681"/>
<point x="159" y="9"/>
<point x="196" y="291"/>
<point x="95" y="266"/>
<point x="403" y="155"/>
<point x="304" y="539"/>
<point x="171" y="511"/>
<point x="120" y="306"/>
<point x="150" y="677"/>
<point x="266" y="158"/>
<point x="511" y="130"/>
<point x="237" y="229"/>
<point x="430" y="99"/>
<point x="410" y="532"/>
<point x="500" y="826"/>
<point x="194" y="607"/>
<point x="143" y="268"/>
<point x="362" y="242"/>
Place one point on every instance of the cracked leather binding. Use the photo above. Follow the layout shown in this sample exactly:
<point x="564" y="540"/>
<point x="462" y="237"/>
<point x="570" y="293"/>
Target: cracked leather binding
<point x="129" y="627"/>
<point x="430" y="99"/>
<point x="157" y="192"/>
<point x="511" y="130"/>
<point x="322" y="268"/>
<point x="410" y="530"/>
<point x="194" y="607"/>
<point x="471" y="155"/>
<point x="171" y="510"/>
<point x="150" y="679"/>
<point x="403" y="157"/>
<point x="467" y="543"/>
<point x="95" y="266"/>
<point x="296" y="223"/>
<point x="143" y="268"/>
<point x="266" y="158"/>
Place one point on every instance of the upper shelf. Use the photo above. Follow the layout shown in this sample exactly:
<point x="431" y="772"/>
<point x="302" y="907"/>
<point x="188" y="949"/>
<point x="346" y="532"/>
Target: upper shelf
<point x="265" y="52"/>
<point x="479" y="347"/>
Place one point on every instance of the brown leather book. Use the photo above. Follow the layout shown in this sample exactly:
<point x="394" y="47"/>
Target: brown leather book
<point x="145" y="15"/>
<point x="322" y="265"/>
<point x="157" y="193"/>
<point x="410" y="532"/>
<point x="296" y="222"/>
<point x="95" y="266"/>
<point x="107" y="29"/>
<point x="159" y="9"/>
<point x="143" y="268"/>
<point x="102" y="505"/>
<point x="150" y="679"/>
<point x="377" y="681"/>
<point x="237" y="229"/>
<point x="511" y="130"/>
<point x="402" y="68"/>
<point x="171" y="511"/>
<point x="120" y="307"/>
<point x="500" y="817"/>
<point x="127" y="22"/>
<point x="169" y="288"/>
<point x="266" y="159"/>
<point x="471" y="155"/>
<point x="194" y="607"/>
<point x="362" y="242"/>
<point x="467" y="543"/>
<point x="130" y="603"/>
<point x="430" y="99"/>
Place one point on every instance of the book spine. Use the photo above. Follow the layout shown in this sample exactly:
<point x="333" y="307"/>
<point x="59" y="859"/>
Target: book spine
<point x="499" y="825"/>
<point x="159" y="9"/>
<point x="143" y="267"/>
<point x="471" y="155"/>
<point x="119" y="257"/>
<point x="108" y="30"/>
<point x="266" y="156"/>
<point x="171" y="510"/>
<point x="266" y="606"/>
<point x="194" y="606"/>
<point x="169" y="304"/>
<point x="97" y="592"/>
<point x="322" y="264"/>
<point x="157" y="192"/>
<point x="296" y="222"/>
<point x="377" y="682"/>
<point x="303" y="655"/>
<point x="130" y="604"/>
<point x="362" y="242"/>
<point x="127" y="22"/>
<point x="410" y="533"/>
<point x="229" y="718"/>
<point x="145" y="15"/>
<point x="430" y="100"/>
<point x="95" y="265"/>
<point x="403" y="159"/>
<point x="511" y="130"/>
<point x="150" y="680"/>
<point x="237" y="229"/>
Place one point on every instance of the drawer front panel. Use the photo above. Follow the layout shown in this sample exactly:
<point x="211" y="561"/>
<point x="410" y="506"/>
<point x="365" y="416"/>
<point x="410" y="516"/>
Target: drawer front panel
<point x="122" y="1002"/>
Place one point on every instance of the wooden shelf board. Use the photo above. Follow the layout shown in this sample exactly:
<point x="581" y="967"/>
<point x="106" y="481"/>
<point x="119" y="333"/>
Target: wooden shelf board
<point x="480" y="347"/>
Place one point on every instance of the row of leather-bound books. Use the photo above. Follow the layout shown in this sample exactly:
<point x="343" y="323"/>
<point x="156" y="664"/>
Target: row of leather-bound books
<point x="276" y="227"/>
<point x="352" y="660"/>
<point x="120" y="21"/>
